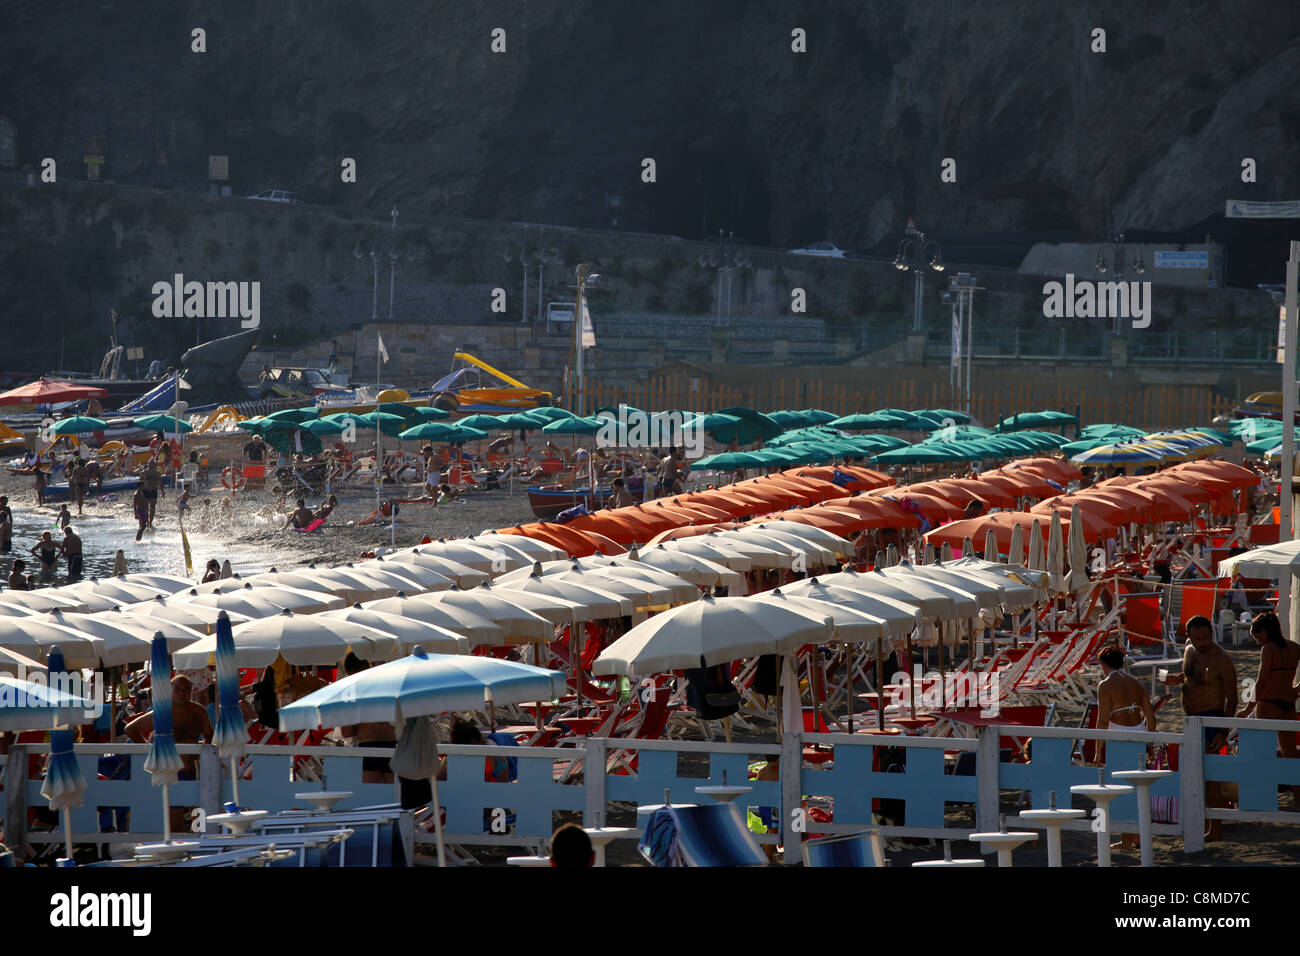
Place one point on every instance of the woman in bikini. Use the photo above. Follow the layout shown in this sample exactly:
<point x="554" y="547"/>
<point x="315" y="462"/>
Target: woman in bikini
<point x="1122" y="704"/>
<point x="1275" y="697"/>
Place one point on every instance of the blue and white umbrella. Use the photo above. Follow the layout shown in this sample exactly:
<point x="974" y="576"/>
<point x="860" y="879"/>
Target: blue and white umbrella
<point x="64" y="782"/>
<point x="231" y="733"/>
<point x="164" y="762"/>
<point x="419" y="685"/>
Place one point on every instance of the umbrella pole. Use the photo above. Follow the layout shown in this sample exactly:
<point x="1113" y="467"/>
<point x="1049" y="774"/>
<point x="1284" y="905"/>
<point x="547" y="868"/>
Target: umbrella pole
<point x="167" y="815"/>
<point x="67" y="830"/>
<point x="911" y="696"/>
<point x="437" y="822"/>
<point x="880" y="684"/>
<point x="850" y="658"/>
<point x="234" y="779"/>
<point x="943" y="684"/>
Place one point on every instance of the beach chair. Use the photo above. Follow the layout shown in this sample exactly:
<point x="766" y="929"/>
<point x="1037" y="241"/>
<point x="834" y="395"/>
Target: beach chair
<point x="382" y="835"/>
<point x="709" y="836"/>
<point x="864" y="849"/>
<point x="310" y="848"/>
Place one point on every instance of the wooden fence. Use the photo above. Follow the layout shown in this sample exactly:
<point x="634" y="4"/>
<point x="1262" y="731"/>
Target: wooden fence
<point x="1151" y="408"/>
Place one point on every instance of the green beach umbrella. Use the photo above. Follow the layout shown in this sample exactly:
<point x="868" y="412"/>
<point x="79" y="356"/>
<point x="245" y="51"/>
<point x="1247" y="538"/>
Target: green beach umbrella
<point x="392" y="425"/>
<point x="487" y="423"/>
<point x="431" y="413"/>
<point x="163" y="423"/>
<point x="728" y="461"/>
<point x="406" y="413"/>
<point x="321" y="426"/>
<point x="79" y="425"/>
<point x="293" y="415"/>
<point x="575" y="426"/>
<point x="442" y="432"/>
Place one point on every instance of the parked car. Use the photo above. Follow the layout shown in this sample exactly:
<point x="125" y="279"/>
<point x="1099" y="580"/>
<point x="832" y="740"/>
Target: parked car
<point x="820" y="249"/>
<point x="277" y="195"/>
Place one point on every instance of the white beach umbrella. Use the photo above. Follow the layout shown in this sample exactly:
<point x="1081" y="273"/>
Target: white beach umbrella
<point x="519" y="624"/>
<point x="711" y="631"/>
<point x="768" y="536"/>
<point x="118" y="590"/>
<point x="1037" y="561"/>
<point x="429" y="573"/>
<point x="1078" y="548"/>
<point x="556" y="610"/>
<point x="300" y="640"/>
<point x="531" y="548"/>
<point x="477" y="628"/>
<point x="15" y="610"/>
<point x="1016" y="553"/>
<point x="165" y="583"/>
<point x="708" y="550"/>
<point x="1270" y="561"/>
<point x="1056" y="552"/>
<point x="222" y="585"/>
<point x="586" y="603"/>
<point x="407" y="631"/>
<point x="34" y="637"/>
<point x="343" y="582"/>
<point x="841" y="547"/>
<point x="900" y="619"/>
<point x="464" y="553"/>
<point x="849" y="625"/>
<point x="986" y="594"/>
<point x="48" y="599"/>
<point x="125" y="638"/>
<point x="14" y="664"/>
<point x="200" y="618"/>
<point x="766" y="556"/>
<point x="252" y="601"/>
<point x="681" y="589"/>
<point x="698" y="570"/>
<point x="933" y="602"/>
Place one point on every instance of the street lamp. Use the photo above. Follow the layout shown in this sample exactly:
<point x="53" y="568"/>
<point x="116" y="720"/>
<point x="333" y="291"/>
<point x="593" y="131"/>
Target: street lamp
<point x="726" y="255"/>
<point x="585" y="279"/>
<point x="915" y="252"/>
<point x="1117" y="245"/>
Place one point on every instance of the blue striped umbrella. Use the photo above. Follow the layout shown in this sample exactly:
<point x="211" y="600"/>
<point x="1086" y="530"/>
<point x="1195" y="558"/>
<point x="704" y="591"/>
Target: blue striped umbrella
<point x="163" y="762"/>
<point x="64" y="782"/>
<point x="231" y="733"/>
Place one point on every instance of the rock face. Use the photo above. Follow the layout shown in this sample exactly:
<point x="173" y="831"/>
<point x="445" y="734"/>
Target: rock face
<point x="841" y="142"/>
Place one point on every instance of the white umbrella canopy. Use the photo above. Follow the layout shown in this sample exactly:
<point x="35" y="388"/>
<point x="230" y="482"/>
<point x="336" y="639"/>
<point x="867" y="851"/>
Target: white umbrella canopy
<point x="461" y="552"/>
<point x="13" y="664"/>
<point x="300" y="640"/>
<point x="1016" y="553"/>
<point x="711" y="631"/>
<point x="585" y="603"/>
<point x="406" y="630"/>
<point x="430" y="573"/>
<point x="478" y="629"/>
<point x="642" y="591"/>
<point x="1056" y="552"/>
<point x="556" y="610"/>
<point x="1270" y="561"/>
<point x="698" y="570"/>
<point x="221" y="585"/>
<point x="1035" y="580"/>
<point x="840" y="547"/>
<point x="252" y="601"/>
<point x="713" y="551"/>
<point x="118" y="589"/>
<point x="124" y="638"/>
<point x="991" y="545"/>
<point x="986" y="594"/>
<point x="931" y="601"/>
<point x="1078" y="577"/>
<point x="519" y="624"/>
<point x="775" y="538"/>
<point x="47" y="599"/>
<point x="766" y="556"/>
<point x="849" y="624"/>
<point x="34" y="637"/>
<point x="344" y="582"/>
<point x="201" y="619"/>
<point x="681" y="589"/>
<point x="1011" y="593"/>
<point x="424" y="576"/>
<point x="15" y="610"/>
<point x="166" y="583"/>
<point x="900" y="619"/>
<point x="1036" y="559"/>
<point x="531" y="548"/>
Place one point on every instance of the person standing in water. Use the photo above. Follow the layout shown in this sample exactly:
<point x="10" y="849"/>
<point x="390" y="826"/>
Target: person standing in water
<point x="72" y="551"/>
<point x="6" y="525"/>
<point x="140" y="505"/>
<point x="47" y="550"/>
<point x="151" y="485"/>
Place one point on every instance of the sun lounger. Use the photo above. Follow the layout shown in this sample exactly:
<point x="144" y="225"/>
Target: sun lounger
<point x="382" y="836"/>
<point x="310" y="848"/>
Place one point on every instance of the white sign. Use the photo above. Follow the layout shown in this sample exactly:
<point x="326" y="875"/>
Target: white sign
<point x="1167" y="259"/>
<point x="219" y="168"/>
<point x="1245" y="209"/>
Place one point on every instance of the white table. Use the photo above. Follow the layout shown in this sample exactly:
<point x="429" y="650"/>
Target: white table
<point x="1004" y="842"/>
<point x="1155" y="664"/>
<point x="1102" y="794"/>
<point x="950" y="863"/>
<point x="238" y="823"/>
<point x="167" y="852"/>
<point x="1051" y="821"/>
<point x="528" y="861"/>
<point x="1142" y="779"/>
<point x="601" y="836"/>
<point x="723" y="793"/>
<point x="324" y="800"/>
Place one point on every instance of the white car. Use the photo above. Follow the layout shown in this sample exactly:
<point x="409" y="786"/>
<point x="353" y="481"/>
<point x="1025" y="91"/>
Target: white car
<point x="277" y="195"/>
<point x="820" y="249"/>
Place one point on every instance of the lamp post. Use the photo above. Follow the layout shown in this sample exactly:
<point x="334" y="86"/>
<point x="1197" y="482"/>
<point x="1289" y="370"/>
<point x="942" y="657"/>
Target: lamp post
<point x="916" y="252"/>
<point x="585" y="279"/>
<point x="1117" y="246"/>
<point x="724" y="254"/>
<point x="374" y="257"/>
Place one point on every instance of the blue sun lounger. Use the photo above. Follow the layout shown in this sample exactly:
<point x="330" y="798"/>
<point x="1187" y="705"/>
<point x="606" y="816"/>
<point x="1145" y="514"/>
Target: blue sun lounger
<point x="851" y="849"/>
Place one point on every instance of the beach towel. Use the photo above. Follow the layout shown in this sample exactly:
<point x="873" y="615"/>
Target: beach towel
<point x="577" y="511"/>
<point x="659" y="845"/>
<point x="316" y="525"/>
